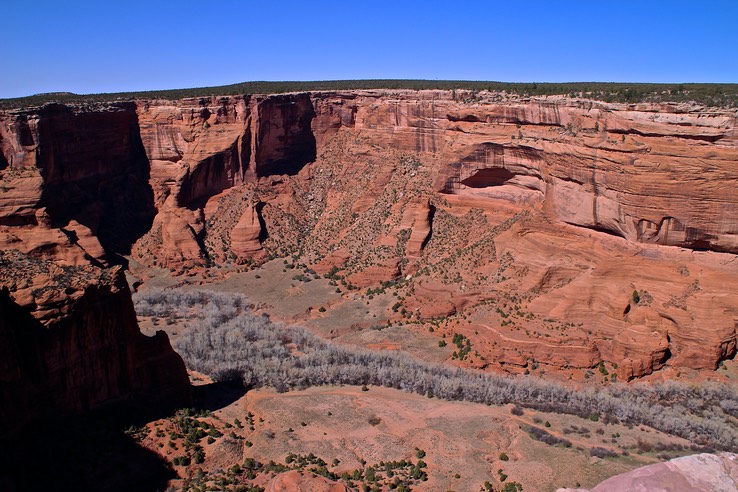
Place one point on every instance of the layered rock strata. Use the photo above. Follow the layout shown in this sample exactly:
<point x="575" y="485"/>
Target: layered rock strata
<point x="536" y="217"/>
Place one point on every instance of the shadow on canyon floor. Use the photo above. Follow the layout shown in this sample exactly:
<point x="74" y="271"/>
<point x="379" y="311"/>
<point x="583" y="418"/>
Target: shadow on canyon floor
<point x="83" y="454"/>
<point x="216" y="396"/>
<point x="100" y="451"/>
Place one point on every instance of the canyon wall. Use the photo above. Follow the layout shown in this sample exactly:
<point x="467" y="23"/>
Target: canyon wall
<point x="77" y="182"/>
<point x="656" y="174"/>
<point x="560" y="207"/>
<point x="70" y="343"/>
<point x="662" y="174"/>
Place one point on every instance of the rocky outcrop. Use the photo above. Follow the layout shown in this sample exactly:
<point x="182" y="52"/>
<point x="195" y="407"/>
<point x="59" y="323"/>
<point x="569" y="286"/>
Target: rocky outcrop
<point x="535" y="217"/>
<point x="697" y="473"/>
<point x="199" y="148"/>
<point x="69" y="343"/>
<point x="250" y="232"/>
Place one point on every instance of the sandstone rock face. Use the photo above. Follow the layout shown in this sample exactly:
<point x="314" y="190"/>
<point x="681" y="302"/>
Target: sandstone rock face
<point x="70" y="343"/>
<point x="197" y="148"/>
<point x="650" y="173"/>
<point x="697" y="473"/>
<point x="283" y="137"/>
<point x="81" y="173"/>
<point x="249" y="232"/>
<point x="536" y="217"/>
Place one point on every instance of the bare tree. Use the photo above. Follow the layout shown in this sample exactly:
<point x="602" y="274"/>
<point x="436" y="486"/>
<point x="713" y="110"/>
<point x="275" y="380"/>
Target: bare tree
<point x="225" y="340"/>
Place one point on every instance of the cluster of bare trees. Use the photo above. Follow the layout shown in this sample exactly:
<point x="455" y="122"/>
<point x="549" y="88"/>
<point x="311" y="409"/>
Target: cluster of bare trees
<point x="226" y="341"/>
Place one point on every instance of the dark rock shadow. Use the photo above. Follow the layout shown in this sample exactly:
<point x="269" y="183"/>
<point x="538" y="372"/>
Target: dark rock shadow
<point x="89" y="453"/>
<point x="215" y="396"/>
<point x="285" y="138"/>
<point x="96" y="173"/>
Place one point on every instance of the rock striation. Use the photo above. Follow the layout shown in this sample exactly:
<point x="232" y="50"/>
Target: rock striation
<point x="77" y="182"/>
<point x="536" y="217"/>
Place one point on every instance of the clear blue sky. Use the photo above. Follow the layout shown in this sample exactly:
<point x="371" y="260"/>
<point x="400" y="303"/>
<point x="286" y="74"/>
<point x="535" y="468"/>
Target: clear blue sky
<point x="113" y="45"/>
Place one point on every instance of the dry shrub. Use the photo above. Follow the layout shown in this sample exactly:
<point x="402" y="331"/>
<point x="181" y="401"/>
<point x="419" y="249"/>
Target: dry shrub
<point x="226" y="341"/>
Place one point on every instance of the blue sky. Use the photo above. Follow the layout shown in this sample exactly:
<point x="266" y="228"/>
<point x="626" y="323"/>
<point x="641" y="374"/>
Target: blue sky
<point x="112" y="45"/>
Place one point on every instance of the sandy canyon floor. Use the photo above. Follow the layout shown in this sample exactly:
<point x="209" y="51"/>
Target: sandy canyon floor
<point x="464" y="446"/>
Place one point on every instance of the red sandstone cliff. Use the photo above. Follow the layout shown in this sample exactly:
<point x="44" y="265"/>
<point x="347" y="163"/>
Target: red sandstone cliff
<point x="77" y="182"/>
<point x="553" y="210"/>
<point x="659" y="174"/>
<point x="649" y="173"/>
<point x="69" y="343"/>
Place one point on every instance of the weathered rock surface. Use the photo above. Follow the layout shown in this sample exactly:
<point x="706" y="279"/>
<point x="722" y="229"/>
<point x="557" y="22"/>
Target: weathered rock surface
<point x="69" y="343"/>
<point x="294" y="481"/>
<point x="535" y="217"/>
<point x="697" y="473"/>
<point x="77" y="185"/>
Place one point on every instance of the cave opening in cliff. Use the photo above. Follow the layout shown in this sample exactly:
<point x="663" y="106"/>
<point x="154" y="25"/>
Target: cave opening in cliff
<point x="485" y="178"/>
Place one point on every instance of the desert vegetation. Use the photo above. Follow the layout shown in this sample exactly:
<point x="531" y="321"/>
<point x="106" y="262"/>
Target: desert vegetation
<point x="225" y="340"/>
<point x="188" y="431"/>
<point x="720" y="95"/>
<point x="403" y="475"/>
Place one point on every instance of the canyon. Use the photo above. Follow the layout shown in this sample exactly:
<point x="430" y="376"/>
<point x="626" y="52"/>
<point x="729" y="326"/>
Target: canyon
<point x="554" y="236"/>
<point x="554" y="233"/>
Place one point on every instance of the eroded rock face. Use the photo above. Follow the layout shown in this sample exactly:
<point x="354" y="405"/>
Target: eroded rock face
<point x="70" y="343"/>
<point x="649" y="173"/>
<point x="76" y="177"/>
<point x="536" y="217"/>
<point x="199" y="148"/>
<point x="697" y="473"/>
